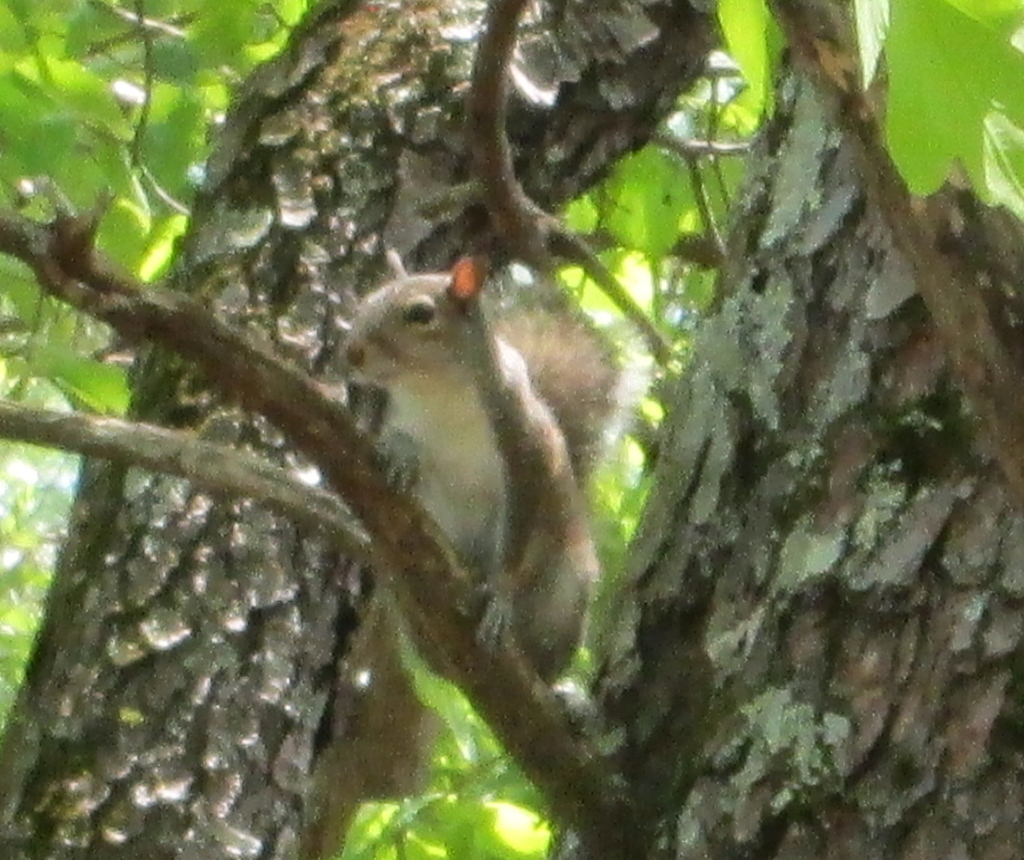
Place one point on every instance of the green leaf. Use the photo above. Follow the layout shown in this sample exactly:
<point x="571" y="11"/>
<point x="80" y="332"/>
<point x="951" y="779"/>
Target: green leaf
<point x="175" y="137"/>
<point x="581" y="215"/>
<point x="1004" y="162"/>
<point x="82" y="93"/>
<point x="222" y="31"/>
<point x="123" y="232"/>
<point x="518" y="829"/>
<point x="12" y="34"/>
<point x="18" y="285"/>
<point x="996" y="12"/>
<point x="18" y="620"/>
<point x="291" y="11"/>
<point x="367" y="830"/>
<point x="100" y="387"/>
<point x="160" y="251"/>
<point x="940" y="57"/>
<point x="650" y="195"/>
<point x="747" y="26"/>
<point x="175" y="61"/>
<point x="631" y="269"/>
<point x="27" y="114"/>
<point x="22" y="11"/>
<point x="87" y="26"/>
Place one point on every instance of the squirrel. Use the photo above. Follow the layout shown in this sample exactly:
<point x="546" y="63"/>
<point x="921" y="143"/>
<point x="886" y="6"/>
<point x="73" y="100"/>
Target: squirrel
<point x="496" y="447"/>
<point x="496" y="426"/>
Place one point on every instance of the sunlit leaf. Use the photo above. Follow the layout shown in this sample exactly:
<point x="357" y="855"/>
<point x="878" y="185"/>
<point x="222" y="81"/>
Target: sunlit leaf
<point x="223" y="31"/>
<point x="520" y="829"/>
<point x="89" y="25"/>
<point x="12" y="34"/>
<point x="98" y="386"/>
<point x="1004" y="162"/>
<point x="746" y="25"/>
<point x="995" y="12"/>
<point x="939" y="56"/>
<point x="123" y="232"/>
<point x="581" y="215"/>
<point x="85" y="94"/>
<point x="651" y="192"/>
<point x="158" y="254"/>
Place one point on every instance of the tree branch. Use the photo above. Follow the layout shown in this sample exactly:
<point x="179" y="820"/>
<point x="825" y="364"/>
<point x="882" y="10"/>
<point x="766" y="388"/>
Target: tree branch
<point x="573" y="249"/>
<point x="215" y="468"/>
<point x="515" y="217"/>
<point x="690" y="151"/>
<point x="436" y="596"/>
<point x="527" y="231"/>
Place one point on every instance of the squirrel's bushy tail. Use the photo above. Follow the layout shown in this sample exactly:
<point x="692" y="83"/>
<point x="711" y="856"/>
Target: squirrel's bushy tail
<point x="575" y="370"/>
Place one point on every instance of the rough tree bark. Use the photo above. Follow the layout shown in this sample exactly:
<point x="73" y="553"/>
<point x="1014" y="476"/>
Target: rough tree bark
<point x="189" y="645"/>
<point x="817" y="656"/>
<point x="816" y="649"/>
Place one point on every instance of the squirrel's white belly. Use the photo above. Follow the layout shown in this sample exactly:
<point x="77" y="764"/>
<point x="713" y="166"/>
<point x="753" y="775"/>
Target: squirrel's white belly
<point x="466" y="504"/>
<point x="459" y="476"/>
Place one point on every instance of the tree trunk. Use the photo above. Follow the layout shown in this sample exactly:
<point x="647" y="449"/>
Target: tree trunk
<point x="817" y="646"/>
<point x="189" y="645"/>
<point x="814" y="650"/>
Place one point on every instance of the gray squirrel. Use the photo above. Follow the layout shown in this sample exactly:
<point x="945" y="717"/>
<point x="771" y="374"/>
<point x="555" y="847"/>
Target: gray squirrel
<point x="497" y="424"/>
<point x="500" y="464"/>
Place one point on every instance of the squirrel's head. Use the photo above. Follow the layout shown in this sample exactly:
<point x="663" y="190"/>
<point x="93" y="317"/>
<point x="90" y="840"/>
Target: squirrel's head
<point x="405" y="334"/>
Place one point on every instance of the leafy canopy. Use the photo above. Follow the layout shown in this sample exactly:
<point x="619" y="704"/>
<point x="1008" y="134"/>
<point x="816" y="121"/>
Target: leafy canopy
<point x="95" y="103"/>
<point x="952" y="70"/>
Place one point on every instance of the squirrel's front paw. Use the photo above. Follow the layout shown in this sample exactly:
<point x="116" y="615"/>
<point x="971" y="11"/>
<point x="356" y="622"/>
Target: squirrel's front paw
<point x="495" y="623"/>
<point x="584" y="716"/>
<point x="400" y="459"/>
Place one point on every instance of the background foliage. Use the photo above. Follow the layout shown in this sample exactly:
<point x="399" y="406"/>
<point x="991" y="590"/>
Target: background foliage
<point x="77" y="130"/>
<point x="117" y="103"/>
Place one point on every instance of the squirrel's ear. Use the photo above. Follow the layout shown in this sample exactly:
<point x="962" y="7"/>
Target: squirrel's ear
<point x="468" y="276"/>
<point x="395" y="263"/>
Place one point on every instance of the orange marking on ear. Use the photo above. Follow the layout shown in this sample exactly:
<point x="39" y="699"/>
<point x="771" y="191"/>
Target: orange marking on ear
<point x="467" y="279"/>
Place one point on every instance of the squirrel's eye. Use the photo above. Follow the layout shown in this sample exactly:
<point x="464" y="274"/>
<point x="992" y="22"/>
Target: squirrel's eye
<point x="420" y="312"/>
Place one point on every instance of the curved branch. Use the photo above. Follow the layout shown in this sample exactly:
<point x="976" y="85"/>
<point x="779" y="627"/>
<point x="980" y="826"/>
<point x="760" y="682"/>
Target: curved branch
<point x="516" y="218"/>
<point x="528" y="232"/>
<point x="216" y="468"/>
<point x="436" y="596"/>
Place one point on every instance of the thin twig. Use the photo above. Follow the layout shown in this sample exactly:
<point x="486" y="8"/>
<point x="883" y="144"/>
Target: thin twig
<point x="169" y="200"/>
<point x="691" y="151"/>
<point x="137" y="19"/>
<point x="715" y="112"/>
<point x="148" y="72"/>
<point x="690" y="148"/>
<point x="700" y="192"/>
<point x="571" y="248"/>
